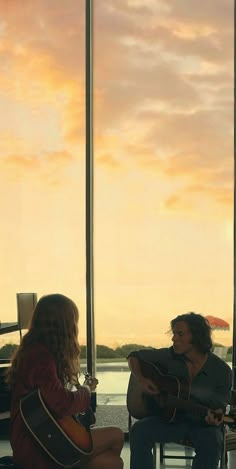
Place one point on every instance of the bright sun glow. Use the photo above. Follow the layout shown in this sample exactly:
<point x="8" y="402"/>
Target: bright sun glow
<point x="163" y="153"/>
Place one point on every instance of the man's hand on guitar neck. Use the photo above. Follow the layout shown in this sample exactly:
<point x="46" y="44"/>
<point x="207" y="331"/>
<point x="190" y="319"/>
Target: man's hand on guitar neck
<point x="214" y="417"/>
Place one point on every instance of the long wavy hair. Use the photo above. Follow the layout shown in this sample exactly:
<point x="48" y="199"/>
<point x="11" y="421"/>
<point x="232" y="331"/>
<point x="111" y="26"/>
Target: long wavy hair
<point x="54" y="324"/>
<point x="200" y="329"/>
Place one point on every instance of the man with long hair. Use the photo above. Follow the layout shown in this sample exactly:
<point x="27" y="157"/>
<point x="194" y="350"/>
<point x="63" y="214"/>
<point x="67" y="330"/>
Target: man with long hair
<point x="205" y="376"/>
<point x="48" y="359"/>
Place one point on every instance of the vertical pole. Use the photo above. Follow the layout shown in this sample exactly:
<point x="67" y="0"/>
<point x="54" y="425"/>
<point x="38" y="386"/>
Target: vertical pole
<point x="91" y="350"/>
<point x="234" y="248"/>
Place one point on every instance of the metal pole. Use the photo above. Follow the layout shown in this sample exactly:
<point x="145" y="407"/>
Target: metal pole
<point x="234" y="261"/>
<point x="91" y="350"/>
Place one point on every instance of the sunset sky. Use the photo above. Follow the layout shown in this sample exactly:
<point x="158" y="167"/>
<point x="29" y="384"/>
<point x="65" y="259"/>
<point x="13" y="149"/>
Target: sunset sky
<point x="163" y="156"/>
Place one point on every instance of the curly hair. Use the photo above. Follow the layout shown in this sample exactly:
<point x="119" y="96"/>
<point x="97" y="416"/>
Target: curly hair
<point x="199" y="328"/>
<point x="54" y="324"/>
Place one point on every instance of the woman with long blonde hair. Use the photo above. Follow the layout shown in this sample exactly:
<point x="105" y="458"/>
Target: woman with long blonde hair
<point x="48" y="359"/>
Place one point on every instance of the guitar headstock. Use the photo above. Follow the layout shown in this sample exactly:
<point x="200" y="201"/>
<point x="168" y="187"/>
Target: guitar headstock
<point x="88" y="378"/>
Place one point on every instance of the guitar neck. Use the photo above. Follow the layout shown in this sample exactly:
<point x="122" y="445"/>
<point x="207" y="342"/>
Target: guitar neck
<point x="182" y="404"/>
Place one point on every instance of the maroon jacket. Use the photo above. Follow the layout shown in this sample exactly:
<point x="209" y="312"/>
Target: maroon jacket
<point x="38" y="370"/>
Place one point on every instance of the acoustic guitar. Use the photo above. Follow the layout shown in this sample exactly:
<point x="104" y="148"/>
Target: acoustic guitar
<point x="65" y="440"/>
<point x="174" y="397"/>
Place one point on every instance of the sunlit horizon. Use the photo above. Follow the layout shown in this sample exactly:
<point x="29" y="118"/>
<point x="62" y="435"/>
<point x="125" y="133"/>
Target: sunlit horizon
<point x="163" y="161"/>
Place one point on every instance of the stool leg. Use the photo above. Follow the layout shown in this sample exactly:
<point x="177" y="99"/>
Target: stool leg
<point x="154" y="450"/>
<point x="161" y="452"/>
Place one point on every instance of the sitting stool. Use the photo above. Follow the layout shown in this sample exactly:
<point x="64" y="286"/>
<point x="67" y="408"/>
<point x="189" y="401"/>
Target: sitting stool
<point x="185" y="443"/>
<point x="188" y="444"/>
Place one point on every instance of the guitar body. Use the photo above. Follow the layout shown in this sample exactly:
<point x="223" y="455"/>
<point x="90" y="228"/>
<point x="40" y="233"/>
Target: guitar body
<point x="172" y="389"/>
<point x="174" y="397"/>
<point x="65" y="440"/>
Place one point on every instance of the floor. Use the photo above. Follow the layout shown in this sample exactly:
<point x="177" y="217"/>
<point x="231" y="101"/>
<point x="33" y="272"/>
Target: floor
<point x="175" y="463"/>
<point x="110" y="415"/>
<point x="5" y="450"/>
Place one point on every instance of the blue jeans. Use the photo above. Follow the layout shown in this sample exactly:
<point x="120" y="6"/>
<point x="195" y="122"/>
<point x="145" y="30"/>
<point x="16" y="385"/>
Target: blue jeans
<point x="207" y="441"/>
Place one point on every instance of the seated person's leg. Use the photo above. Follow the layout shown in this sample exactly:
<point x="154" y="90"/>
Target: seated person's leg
<point x="107" y="447"/>
<point x="207" y="442"/>
<point x="144" y="433"/>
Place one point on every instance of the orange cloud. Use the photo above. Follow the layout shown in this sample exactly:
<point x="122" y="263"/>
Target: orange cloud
<point x="109" y="161"/>
<point x="178" y="203"/>
<point x="58" y="157"/>
<point x="24" y="162"/>
<point x="190" y="197"/>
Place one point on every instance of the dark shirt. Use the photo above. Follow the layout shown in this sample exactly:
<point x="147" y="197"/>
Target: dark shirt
<point x="211" y="386"/>
<point x="38" y="370"/>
